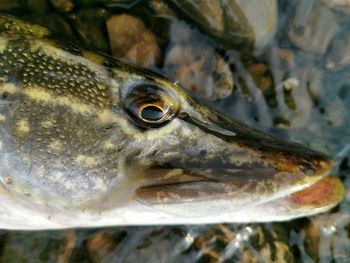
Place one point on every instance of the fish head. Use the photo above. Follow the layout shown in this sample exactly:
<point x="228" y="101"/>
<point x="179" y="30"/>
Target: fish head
<point x="200" y="164"/>
<point x="87" y="140"/>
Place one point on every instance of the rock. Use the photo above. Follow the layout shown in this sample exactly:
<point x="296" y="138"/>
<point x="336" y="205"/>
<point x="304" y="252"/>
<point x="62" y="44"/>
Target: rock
<point x="262" y="16"/>
<point x="56" y="23"/>
<point x="282" y="58"/>
<point x="243" y="23"/>
<point x="338" y="56"/>
<point x="90" y="25"/>
<point x="102" y="245"/>
<point x="38" y="246"/>
<point x="194" y="63"/>
<point x="63" y="5"/>
<point x="244" y="243"/>
<point x="38" y="6"/>
<point x="313" y="26"/>
<point x="335" y="112"/>
<point x="342" y="6"/>
<point x="131" y="40"/>
<point x="161" y="8"/>
<point x="6" y="5"/>
<point x="294" y="103"/>
<point x="263" y="79"/>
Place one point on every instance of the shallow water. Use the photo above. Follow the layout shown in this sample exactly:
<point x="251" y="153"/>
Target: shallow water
<point x="298" y="91"/>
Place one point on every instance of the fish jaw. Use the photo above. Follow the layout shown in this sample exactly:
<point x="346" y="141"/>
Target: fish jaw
<point x="15" y="216"/>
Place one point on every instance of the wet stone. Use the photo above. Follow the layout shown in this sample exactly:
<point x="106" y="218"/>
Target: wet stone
<point x="131" y="40"/>
<point x="90" y="25"/>
<point x="262" y="17"/>
<point x="56" y="23"/>
<point x="38" y="246"/>
<point x="312" y="242"/>
<point x="102" y="245"/>
<point x="263" y="79"/>
<point x="161" y="8"/>
<point x="193" y="62"/>
<point x="282" y="58"/>
<point x="295" y="104"/>
<point x="38" y="6"/>
<point x="6" y="5"/>
<point x="63" y="5"/>
<point x="338" y="56"/>
<point x="244" y="23"/>
<point x="336" y="112"/>
<point x="252" y="243"/>
<point x="313" y="26"/>
<point x="342" y="6"/>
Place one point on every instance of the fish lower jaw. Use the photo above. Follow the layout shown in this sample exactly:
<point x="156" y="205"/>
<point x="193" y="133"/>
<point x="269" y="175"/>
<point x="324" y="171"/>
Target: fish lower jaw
<point x="319" y="197"/>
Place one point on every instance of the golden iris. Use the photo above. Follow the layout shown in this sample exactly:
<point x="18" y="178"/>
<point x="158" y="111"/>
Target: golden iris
<point x="150" y="105"/>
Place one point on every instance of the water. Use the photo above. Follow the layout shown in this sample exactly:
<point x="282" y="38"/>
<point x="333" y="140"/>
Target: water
<point x="297" y="87"/>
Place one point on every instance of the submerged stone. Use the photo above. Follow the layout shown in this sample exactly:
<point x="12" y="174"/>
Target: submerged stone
<point x="90" y="24"/>
<point x="338" y="56"/>
<point x="342" y="6"/>
<point x="63" y="5"/>
<point x="131" y="40"/>
<point x="244" y="23"/>
<point x="6" y="5"/>
<point x="313" y="27"/>
<point x="194" y="62"/>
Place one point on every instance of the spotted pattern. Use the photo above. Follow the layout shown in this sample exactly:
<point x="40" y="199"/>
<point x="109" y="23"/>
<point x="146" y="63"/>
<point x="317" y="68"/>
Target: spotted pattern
<point x="26" y="64"/>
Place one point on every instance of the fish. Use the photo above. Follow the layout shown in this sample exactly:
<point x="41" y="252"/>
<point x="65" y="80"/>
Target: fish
<point x="87" y="140"/>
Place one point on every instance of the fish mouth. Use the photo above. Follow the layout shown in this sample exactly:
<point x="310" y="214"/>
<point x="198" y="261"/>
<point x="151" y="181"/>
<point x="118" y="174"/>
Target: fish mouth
<point x="245" y="200"/>
<point x="284" y="178"/>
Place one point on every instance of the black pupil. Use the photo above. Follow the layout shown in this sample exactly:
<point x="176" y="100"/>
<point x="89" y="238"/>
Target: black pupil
<point x="152" y="113"/>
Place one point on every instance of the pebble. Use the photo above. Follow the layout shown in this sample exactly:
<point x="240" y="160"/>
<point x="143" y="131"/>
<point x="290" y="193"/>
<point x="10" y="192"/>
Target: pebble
<point x="89" y="24"/>
<point x="282" y="58"/>
<point x="262" y="16"/>
<point x="195" y="64"/>
<point x="338" y="56"/>
<point x="40" y="246"/>
<point x="342" y="6"/>
<point x="101" y="246"/>
<point x="63" y="5"/>
<point x="263" y="79"/>
<point x="244" y="23"/>
<point x="132" y="41"/>
<point x="6" y="5"/>
<point x="313" y="26"/>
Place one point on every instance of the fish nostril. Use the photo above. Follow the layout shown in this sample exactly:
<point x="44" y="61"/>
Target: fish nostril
<point x="317" y="166"/>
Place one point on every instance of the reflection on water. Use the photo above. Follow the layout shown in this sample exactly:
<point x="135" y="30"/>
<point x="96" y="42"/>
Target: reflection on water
<point x="286" y="73"/>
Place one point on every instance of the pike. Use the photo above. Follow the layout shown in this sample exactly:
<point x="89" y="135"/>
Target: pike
<point x="87" y="140"/>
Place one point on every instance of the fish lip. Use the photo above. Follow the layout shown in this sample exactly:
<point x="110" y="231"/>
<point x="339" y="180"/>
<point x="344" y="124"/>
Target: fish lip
<point x="302" y="179"/>
<point x="309" y="180"/>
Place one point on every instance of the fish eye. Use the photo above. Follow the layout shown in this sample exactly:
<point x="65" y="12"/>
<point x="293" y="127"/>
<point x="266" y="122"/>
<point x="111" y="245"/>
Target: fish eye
<point x="150" y="105"/>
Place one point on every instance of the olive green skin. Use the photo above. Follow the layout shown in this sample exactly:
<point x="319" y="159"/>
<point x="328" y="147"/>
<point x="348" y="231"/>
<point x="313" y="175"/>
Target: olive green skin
<point x="69" y="146"/>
